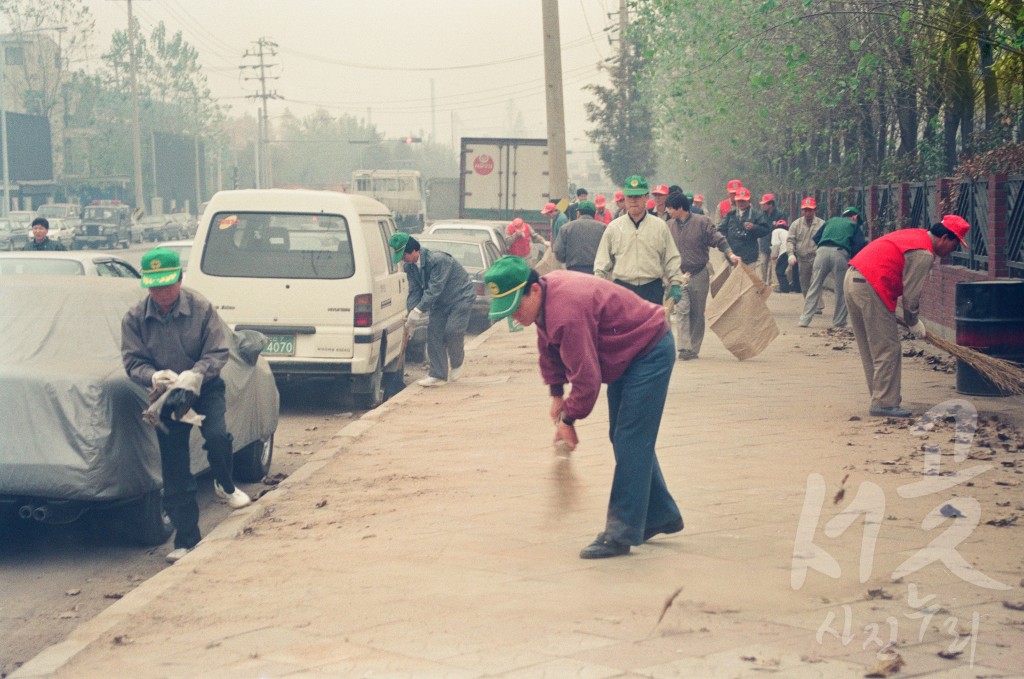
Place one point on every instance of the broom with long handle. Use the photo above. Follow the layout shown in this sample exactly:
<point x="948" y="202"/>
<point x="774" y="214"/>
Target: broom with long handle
<point x="1005" y="375"/>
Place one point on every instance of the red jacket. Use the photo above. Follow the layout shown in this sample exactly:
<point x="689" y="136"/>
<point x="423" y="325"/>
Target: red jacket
<point x="724" y="207"/>
<point x="881" y="262"/>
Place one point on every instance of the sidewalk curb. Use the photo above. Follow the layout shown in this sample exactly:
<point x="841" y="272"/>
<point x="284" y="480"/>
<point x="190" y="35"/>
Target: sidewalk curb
<point x="53" y="658"/>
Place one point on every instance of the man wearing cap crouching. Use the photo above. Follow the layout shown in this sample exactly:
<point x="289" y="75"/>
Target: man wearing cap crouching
<point x="637" y="250"/>
<point x="172" y="331"/>
<point x="836" y="241"/>
<point x="888" y="268"/>
<point x="440" y="286"/>
<point x="592" y="332"/>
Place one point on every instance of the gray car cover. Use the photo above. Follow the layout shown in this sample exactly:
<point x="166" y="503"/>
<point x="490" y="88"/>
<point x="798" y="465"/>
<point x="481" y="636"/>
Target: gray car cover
<point x="71" y="423"/>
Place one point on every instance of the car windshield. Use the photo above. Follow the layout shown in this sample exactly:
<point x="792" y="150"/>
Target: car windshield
<point x="277" y="245"/>
<point x="481" y="234"/>
<point x="52" y="211"/>
<point x="41" y="266"/>
<point x="99" y="213"/>
<point x="466" y="254"/>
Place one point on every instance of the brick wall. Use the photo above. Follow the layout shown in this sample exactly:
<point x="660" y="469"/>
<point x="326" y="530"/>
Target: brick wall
<point x="938" y="303"/>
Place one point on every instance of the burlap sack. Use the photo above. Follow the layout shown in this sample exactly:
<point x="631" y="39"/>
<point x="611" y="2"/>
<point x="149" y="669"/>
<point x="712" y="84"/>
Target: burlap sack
<point x="737" y="312"/>
<point x="548" y="263"/>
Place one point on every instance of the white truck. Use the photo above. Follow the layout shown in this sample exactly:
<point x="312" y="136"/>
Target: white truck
<point x="504" y="178"/>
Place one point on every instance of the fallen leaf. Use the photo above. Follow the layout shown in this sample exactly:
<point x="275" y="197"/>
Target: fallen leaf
<point x="72" y="592"/>
<point x="1002" y="523"/>
<point x="878" y="594"/>
<point x="321" y="504"/>
<point x="887" y="666"/>
<point x="950" y="655"/>
<point x="839" y="496"/>
<point x="1014" y="605"/>
<point x="667" y="605"/>
<point x="122" y="640"/>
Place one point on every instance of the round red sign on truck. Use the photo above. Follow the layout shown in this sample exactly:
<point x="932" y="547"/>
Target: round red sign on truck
<point x="483" y="164"/>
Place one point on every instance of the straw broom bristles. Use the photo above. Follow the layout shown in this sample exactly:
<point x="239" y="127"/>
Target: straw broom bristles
<point x="1006" y="376"/>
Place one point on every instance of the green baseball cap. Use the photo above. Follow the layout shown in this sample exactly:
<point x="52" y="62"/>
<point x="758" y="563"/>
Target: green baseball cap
<point x="505" y="280"/>
<point x="397" y="243"/>
<point x="587" y="206"/>
<point x="160" y="267"/>
<point x="850" y="211"/>
<point x="636" y="186"/>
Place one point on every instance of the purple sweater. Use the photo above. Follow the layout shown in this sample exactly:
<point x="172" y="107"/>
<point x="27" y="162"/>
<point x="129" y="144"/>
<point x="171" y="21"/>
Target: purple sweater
<point x="589" y="331"/>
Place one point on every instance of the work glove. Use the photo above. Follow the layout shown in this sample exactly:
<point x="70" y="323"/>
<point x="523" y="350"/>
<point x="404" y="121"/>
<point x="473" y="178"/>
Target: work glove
<point x="918" y="330"/>
<point x="163" y="379"/>
<point x="181" y="396"/>
<point x="411" y="320"/>
<point x="675" y="292"/>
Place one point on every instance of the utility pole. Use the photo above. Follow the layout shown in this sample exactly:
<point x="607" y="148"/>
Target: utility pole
<point x="140" y="198"/>
<point x="265" y="49"/>
<point x="558" y="172"/>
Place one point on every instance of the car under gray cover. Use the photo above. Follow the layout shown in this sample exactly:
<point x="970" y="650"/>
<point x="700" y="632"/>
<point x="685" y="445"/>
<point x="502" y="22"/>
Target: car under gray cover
<point x="71" y="435"/>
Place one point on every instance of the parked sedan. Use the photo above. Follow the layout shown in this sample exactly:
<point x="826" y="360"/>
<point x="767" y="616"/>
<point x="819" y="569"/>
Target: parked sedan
<point x="9" y="234"/>
<point x="60" y="231"/>
<point x="72" y="438"/>
<point x="493" y="231"/>
<point x="51" y="263"/>
<point x="157" y="228"/>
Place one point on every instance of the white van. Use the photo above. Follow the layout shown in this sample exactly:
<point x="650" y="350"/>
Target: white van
<point x="313" y="272"/>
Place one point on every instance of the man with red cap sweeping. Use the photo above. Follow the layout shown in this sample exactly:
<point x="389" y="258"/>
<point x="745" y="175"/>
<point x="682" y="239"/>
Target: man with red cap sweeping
<point x="893" y="266"/>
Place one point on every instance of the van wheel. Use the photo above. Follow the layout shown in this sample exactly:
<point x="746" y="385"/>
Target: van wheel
<point x="371" y="387"/>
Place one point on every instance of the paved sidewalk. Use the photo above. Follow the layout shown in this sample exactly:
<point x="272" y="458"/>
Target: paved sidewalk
<point x="432" y="539"/>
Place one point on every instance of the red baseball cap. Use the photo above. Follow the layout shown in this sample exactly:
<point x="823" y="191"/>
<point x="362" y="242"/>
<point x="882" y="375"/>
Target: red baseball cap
<point x="699" y="198"/>
<point x="549" y="208"/>
<point x="599" y="200"/>
<point x="742" y="193"/>
<point x="781" y="223"/>
<point x="809" y="203"/>
<point x="651" y="204"/>
<point x="767" y="198"/>
<point x="660" y="190"/>
<point x="959" y="226"/>
<point x="733" y="185"/>
<point x="619" y="195"/>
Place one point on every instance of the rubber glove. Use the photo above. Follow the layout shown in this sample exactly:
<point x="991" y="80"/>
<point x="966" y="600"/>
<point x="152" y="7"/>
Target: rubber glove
<point x="918" y="330"/>
<point x="675" y="292"/>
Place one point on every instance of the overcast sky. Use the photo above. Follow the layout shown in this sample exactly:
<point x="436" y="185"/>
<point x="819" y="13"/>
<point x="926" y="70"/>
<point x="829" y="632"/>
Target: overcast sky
<point x="378" y="58"/>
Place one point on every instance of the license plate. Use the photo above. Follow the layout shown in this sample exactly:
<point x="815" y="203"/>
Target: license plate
<point x="280" y="345"/>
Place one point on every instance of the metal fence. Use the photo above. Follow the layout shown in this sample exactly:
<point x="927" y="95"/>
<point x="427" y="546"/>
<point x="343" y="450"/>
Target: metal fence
<point x="1015" y="226"/>
<point x="888" y="207"/>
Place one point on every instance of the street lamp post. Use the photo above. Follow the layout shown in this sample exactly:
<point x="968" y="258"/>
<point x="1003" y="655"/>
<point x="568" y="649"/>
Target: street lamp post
<point x="3" y="130"/>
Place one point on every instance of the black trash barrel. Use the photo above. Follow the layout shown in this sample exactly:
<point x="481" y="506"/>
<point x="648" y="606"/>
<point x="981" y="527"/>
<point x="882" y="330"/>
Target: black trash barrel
<point x="989" y="319"/>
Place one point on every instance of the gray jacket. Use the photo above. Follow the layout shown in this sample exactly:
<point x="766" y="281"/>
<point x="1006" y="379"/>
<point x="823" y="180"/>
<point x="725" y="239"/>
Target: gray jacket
<point x="438" y="280"/>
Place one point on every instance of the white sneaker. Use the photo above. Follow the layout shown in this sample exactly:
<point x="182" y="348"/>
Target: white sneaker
<point x="177" y="554"/>
<point x="235" y="500"/>
<point x="430" y="382"/>
<point x="454" y="373"/>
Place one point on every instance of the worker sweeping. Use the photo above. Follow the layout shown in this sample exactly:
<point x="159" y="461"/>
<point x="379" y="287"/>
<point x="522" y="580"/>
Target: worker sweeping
<point x="591" y="331"/>
<point x="893" y="266"/>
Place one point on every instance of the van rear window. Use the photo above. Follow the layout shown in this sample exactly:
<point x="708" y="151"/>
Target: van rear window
<point x="276" y="245"/>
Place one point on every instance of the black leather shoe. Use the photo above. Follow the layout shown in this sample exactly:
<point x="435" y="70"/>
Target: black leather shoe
<point x="668" y="528"/>
<point x="889" y="411"/>
<point x="604" y="547"/>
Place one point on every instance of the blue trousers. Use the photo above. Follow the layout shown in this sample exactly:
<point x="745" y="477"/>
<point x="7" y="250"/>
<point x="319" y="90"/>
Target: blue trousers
<point x="179" y="496"/>
<point x="639" y="497"/>
<point x="446" y="337"/>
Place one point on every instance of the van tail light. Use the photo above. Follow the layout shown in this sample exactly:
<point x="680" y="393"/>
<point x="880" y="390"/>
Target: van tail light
<point x="363" y="311"/>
